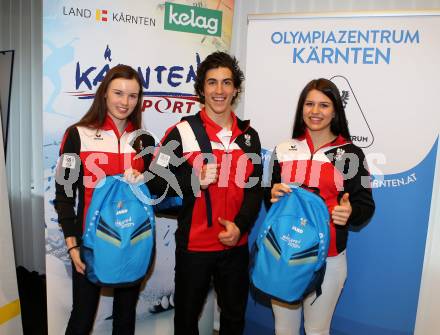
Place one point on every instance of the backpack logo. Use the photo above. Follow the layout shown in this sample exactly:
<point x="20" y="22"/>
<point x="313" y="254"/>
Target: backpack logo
<point x="120" y="208"/>
<point x="298" y="230"/>
<point x="291" y="242"/>
<point x="192" y="19"/>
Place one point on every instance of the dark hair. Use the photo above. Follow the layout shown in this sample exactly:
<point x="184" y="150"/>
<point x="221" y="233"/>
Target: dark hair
<point x="213" y="61"/>
<point x="338" y="125"/>
<point x="95" y="116"/>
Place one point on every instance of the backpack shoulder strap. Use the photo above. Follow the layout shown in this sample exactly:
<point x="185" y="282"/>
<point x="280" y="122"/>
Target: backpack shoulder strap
<point x="199" y="131"/>
<point x="196" y="124"/>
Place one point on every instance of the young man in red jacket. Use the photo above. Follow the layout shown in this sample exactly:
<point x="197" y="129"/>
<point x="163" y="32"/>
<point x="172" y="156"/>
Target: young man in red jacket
<point x="221" y="199"/>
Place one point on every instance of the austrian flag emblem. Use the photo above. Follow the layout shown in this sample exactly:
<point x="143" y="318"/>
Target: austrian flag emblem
<point x="247" y="139"/>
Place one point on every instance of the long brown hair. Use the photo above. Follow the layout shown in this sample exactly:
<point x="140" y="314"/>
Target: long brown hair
<point x="338" y="125"/>
<point x="95" y="116"/>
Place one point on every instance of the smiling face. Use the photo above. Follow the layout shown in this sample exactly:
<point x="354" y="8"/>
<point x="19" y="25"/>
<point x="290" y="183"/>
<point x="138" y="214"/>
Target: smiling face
<point x="121" y="98"/>
<point x="219" y="91"/>
<point x="318" y="112"/>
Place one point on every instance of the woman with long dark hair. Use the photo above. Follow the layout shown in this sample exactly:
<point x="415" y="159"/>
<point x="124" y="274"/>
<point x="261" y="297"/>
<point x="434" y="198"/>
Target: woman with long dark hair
<point x="321" y="155"/>
<point x="102" y="143"/>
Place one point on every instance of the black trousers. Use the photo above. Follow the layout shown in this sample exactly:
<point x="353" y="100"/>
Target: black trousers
<point x="85" y="303"/>
<point x="193" y="274"/>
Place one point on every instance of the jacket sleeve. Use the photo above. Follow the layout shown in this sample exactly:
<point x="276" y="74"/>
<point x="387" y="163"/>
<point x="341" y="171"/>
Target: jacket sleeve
<point x="253" y="196"/>
<point x="360" y="194"/>
<point x="275" y="178"/>
<point x="144" y="145"/>
<point x="148" y="144"/>
<point x="66" y="183"/>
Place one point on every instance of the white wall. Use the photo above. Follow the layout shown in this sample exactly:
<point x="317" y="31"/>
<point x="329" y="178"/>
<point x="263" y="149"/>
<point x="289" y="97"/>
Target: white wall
<point x="245" y="7"/>
<point x="9" y="300"/>
<point x="428" y="321"/>
<point x="6" y="59"/>
<point x="21" y="30"/>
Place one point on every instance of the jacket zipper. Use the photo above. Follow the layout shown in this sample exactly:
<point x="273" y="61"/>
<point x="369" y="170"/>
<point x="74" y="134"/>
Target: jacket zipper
<point x="229" y="173"/>
<point x="227" y="153"/>
<point x="229" y="160"/>
<point x="119" y="153"/>
<point x="309" y="168"/>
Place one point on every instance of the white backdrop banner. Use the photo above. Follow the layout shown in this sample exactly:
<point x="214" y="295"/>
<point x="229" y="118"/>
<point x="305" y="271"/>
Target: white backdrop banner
<point x="386" y="68"/>
<point x="164" y="42"/>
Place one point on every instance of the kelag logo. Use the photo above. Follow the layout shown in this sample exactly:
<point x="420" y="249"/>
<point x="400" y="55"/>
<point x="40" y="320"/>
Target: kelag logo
<point x="191" y="19"/>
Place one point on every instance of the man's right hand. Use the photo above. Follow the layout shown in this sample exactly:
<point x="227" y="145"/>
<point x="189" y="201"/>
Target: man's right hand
<point x="208" y="175"/>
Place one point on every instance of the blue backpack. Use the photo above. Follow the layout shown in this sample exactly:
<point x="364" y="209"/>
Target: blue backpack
<point x="289" y="256"/>
<point x="119" y="235"/>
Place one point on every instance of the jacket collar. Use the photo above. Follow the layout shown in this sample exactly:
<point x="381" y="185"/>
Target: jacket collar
<point x="212" y="128"/>
<point x="339" y="140"/>
<point x="109" y="124"/>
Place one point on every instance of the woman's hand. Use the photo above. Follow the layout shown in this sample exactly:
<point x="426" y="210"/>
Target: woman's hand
<point x="77" y="262"/>
<point x="341" y="213"/>
<point x="133" y="176"/>
<point x="278" y="190"/>
<point x="73" y="250"/>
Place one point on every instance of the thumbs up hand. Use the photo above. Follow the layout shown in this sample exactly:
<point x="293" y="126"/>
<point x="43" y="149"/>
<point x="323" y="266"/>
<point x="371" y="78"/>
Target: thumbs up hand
<point x="230" y="235"/>
<point x="342" y="212"/>
<point x="208" y="175"/>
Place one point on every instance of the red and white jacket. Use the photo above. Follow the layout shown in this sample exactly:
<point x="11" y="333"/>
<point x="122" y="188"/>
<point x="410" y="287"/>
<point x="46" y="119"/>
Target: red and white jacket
<point x="86" y="156"/>
<point x="230" y="199"/>
<point x="336" y="168"/>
